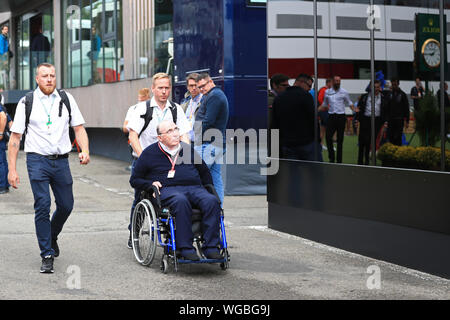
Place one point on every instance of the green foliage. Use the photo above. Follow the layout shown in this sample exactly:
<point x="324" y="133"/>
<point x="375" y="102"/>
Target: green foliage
<point x="428" y="120"/>
<point x="426" y="158"/>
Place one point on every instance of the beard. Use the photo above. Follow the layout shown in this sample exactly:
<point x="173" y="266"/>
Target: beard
<point x="47" y="90"/>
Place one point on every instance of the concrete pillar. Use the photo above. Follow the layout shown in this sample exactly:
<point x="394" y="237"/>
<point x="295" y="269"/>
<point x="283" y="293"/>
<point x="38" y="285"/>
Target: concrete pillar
<point x="57" y="50"/>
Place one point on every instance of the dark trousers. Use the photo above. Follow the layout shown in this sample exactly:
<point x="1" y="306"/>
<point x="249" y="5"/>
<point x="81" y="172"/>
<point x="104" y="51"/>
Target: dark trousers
<point x="336" y="123"/>
<point x="365" y="137"/>
<point x="395" y="131"/>
<point x="3" y="166"/>
<point x="136" y="195"/>
<point x="56" y="174"/>
<point x="180" y="200"/>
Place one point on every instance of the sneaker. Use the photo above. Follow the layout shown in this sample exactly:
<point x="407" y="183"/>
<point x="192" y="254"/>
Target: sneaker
<point x="129" y="244"/>
<point x="55" y="247"/>
<point x="213" y="253"/>
<point x="47" y="264"/>
<point x="189" y="254"/>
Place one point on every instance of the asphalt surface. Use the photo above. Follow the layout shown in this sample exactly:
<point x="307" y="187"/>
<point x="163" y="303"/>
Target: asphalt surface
<point x="265" y="264"/>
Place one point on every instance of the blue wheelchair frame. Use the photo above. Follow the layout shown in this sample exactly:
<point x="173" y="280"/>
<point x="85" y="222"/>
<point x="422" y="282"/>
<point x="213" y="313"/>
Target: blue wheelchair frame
<point x="165" y="226"/>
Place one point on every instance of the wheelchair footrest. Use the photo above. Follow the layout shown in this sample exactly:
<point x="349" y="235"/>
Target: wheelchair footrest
<point x="184" y="261"/>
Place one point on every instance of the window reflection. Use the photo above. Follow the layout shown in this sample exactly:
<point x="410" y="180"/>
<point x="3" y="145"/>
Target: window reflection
<point x="93" y="44"/>
<point x="35" y="38"/>
<point x="344" y="51"/>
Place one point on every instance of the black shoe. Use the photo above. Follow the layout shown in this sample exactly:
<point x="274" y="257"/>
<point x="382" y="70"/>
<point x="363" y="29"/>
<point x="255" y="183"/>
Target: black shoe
<point x="213" y="253"/>
<point x="55" y="247"/>
<point x="4" y="190"/>
<point x="47" y="264"/>
<point x="130" y="243"/>
<point x="190" y="254"/>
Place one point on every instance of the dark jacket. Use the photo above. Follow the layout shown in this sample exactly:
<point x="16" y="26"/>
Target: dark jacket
<point x="397" y="105"/>
<point x="293" y="115"/>
<point x="362" y="105"/>
<point x="153" y="165"/>
<point x="213" y="112"/>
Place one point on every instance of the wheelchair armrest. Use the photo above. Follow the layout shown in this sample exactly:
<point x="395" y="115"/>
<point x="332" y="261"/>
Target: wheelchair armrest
<point x="153" y="191"/>
<point x="210" y="188"/>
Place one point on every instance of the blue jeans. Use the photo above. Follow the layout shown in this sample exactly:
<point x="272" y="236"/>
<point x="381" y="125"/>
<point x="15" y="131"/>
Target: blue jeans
<point x="3" y="166"/>
<point x="211" y="155"/>
<point x="56" y="174"/>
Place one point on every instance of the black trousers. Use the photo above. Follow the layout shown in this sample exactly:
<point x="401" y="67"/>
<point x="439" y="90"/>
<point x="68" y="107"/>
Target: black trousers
<point x="336" y="123"/>
<point x="365" y="137"/>
<point x="395" y="131"/>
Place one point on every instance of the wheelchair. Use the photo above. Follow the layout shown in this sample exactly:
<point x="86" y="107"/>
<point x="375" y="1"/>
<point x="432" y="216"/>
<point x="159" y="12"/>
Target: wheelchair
<point x="153" y="225"/>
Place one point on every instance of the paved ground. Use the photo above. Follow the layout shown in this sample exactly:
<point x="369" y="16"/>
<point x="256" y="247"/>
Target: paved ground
<point x="95" y="263"/>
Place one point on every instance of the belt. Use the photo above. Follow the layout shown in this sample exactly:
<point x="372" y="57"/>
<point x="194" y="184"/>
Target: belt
<point x="52" y="156"/>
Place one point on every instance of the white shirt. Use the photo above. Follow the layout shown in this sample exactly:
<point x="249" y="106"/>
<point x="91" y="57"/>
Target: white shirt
<point x="172" y="152"/>
<point x="149" y="136"/>
<point x="368" y="110"/>
<point x="47" y="139"/>
<point x="130" y="112"/>
<point x="337" y="100"/>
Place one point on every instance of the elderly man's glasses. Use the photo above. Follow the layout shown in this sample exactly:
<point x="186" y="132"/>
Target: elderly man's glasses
<point x="170" y="131"/>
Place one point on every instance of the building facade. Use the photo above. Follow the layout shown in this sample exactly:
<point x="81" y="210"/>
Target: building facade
<point x="107" y="49"/>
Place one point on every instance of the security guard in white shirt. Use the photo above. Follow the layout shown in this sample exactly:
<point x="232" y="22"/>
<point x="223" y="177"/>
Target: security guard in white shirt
<point x="140" y="137"/>
<point x="335" y="101"/>
<point x="47" y="146"/>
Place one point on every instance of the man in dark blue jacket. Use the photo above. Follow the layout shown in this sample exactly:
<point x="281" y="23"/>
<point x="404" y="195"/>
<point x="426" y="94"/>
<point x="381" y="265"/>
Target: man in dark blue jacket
<point x="213" y="116"/>
<point x="294" y="116"/>
<point x="179" y="174"/>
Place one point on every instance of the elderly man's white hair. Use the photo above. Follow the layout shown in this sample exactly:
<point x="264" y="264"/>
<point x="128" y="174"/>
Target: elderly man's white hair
<point x="164" y="122"/>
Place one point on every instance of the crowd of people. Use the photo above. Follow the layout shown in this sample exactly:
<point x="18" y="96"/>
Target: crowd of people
<point x="161" y="133"/>
<point x="292" y="112"/>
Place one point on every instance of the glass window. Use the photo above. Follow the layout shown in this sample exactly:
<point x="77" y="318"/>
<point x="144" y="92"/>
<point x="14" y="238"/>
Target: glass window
<point x="93" y="44"/>
<point x="152" y="33"/>
<point x="35" y="44"/>
<point x="408" y="117"/>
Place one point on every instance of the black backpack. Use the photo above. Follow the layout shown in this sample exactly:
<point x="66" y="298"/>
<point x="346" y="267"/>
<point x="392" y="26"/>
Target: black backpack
<point x="29" y="105"/>
<point x="6" y="131"/>
<point x="148" y="116"/>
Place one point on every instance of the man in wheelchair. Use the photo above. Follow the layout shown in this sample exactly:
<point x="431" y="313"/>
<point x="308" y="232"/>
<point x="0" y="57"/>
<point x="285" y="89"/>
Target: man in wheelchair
<point x="179" y="174"/>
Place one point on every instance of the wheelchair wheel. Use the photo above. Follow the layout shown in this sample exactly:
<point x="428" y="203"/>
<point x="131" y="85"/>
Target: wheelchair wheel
<point x="144" y="232"/>
<point x="225" y="265"/>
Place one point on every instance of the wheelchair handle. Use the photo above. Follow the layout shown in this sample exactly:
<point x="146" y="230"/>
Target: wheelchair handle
<point x="153" y="190"/>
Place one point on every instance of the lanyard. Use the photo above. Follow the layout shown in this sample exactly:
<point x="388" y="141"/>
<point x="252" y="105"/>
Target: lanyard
<point x="45" y="108"/>
<point x="173" y="162"/>
<point x="193" y="104"/>
<point x="192" y="109"/>
<point x="163" y="116"/>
